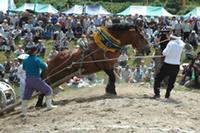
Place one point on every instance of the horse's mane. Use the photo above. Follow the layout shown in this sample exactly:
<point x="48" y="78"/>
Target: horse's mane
<point x="121" y="26"/>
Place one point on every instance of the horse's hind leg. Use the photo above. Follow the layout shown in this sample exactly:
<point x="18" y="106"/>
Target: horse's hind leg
<point x="40" y="101"/>
<point x="110" y="88"/>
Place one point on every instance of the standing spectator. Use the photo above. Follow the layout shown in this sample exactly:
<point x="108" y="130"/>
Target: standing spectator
<point x="21" y="74"/>
<point x="173" y="23"/>
<point x="178" y="28"/>
<point x="186" y="29"/>
<point x="170" y="66"/>
<point x="196" y="26"/>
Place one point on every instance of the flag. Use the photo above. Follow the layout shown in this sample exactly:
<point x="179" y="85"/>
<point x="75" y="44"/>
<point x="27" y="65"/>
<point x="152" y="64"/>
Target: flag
<point x="9" y="5"/>
<point x="35" y="5"/>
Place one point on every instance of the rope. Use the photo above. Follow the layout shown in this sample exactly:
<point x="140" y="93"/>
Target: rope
<point x="104" y="60"/>
<point x="51" y="75"/>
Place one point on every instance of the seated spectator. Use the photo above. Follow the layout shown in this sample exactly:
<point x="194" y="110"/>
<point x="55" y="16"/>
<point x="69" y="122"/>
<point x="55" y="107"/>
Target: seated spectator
<point x="13" y="71"/>
<point x="82" y="42"/>
<point x="2" y="72"/>
<point x="193" y="39"/>
<point x="70" y="34"/>
<point x="19" y="51"/>
<point x="125" y="74"/>
<point x="188" y="50"/>
<point x="192" y="73"/>
<point x="7" y="66"/>
<point x="41" y="48"/>
<point x="148" y="75"/>
<point x="187" y="72"/>
<point x="138" y="74"/>
<point x="91" y="79"/>
<point x="123" y="59"/>
<point x="91" y="29"/>
<point x="143" y="67"/>
<point x="57" y="46"/>
<point x="78" y="30"/>
<point x="76" y="82"/>
<point x="64" y="44"/>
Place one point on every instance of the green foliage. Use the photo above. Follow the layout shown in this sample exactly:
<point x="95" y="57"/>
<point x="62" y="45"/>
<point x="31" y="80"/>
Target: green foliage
<point x="115" y="6"/>
<point x="157" y="3"/>
<point x="173" y="6"/>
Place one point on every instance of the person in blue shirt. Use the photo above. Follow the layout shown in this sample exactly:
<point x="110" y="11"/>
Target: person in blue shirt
<point x="33" y="65"/>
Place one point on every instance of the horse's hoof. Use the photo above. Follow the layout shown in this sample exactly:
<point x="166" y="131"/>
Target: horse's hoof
<point x="37" y="107"/>
<point x="110" y="94"/>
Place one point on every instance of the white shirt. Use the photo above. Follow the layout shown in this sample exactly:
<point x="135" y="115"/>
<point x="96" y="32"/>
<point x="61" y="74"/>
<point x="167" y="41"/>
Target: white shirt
<point x="173" y="51"/>
<point x="21" y="74"/>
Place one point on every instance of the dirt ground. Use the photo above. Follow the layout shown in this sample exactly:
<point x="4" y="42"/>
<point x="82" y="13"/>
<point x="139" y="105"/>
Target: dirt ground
<point x="88" y="110"/>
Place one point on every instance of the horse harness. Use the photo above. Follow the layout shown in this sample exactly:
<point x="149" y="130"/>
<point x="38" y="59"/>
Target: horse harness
<point x="105" y="41"/>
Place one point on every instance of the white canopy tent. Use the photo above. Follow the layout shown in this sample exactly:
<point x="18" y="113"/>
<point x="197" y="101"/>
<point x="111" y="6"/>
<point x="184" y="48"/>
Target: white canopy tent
<point x="87" y="10"/>
<point x="76" y="9"/>
<point x="95" y="10"/>
<point x="40" y="8"/>
<point x="145" y="11"/>
<point x="48" y="9"/>
<point x="194" y="13"/>
<point x="7" y="4"/>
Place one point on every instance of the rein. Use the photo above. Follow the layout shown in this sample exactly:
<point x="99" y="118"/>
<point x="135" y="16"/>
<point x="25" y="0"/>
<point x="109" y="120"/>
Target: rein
<point x="106" y="41"/>
<point x="70" y="66"/>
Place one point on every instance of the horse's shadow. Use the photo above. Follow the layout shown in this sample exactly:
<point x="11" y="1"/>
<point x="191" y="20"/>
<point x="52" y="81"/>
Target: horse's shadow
<point x="165" y="100"/>
<point x="103" y="97"/>
<point x="88" y="99"/>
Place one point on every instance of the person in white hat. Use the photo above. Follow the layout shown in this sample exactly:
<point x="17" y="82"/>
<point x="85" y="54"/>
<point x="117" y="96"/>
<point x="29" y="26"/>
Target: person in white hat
<point x="170" y="67"/>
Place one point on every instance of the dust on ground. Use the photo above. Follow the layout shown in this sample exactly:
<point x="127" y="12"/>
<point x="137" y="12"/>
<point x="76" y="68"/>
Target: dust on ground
<point x="88" y="110"/>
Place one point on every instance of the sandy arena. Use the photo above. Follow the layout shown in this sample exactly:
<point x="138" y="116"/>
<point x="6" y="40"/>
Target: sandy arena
<point x="88" y="110"/>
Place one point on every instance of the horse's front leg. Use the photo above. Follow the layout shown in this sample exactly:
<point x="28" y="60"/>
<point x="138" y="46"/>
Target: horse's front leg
<point x="110" y="88"/>
<point x="40" y="100"/>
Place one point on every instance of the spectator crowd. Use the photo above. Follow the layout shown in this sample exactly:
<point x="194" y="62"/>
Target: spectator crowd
<point x="21" y="30"/>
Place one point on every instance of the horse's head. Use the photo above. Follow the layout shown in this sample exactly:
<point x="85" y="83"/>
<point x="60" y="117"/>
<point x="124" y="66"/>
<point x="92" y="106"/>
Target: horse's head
<point x="130" y="34"/>
<point x="139" y="41"/>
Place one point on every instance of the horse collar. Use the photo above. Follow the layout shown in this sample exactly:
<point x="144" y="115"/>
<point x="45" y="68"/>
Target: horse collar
<point x="106" y="41"/>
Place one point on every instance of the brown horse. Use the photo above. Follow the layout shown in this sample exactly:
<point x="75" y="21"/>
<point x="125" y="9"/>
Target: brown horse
<point x="102" y="53"/>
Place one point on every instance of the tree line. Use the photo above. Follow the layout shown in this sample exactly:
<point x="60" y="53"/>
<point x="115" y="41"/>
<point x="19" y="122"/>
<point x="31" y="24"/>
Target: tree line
<point x="115" y="6"/>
